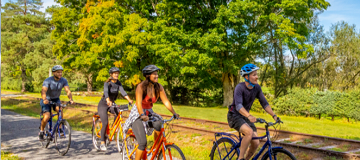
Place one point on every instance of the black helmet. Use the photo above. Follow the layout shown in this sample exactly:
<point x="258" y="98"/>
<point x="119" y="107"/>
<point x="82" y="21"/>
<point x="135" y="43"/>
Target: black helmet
<point x="57" y="67"/>
<point x="150" y="69"/>
<point x="114" y="69"/>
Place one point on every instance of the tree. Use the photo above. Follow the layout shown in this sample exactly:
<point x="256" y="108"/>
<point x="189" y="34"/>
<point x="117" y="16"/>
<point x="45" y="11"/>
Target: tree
<point x="22" y="26"/>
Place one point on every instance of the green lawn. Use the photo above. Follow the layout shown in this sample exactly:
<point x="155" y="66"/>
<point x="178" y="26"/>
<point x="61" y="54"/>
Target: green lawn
<point x="339" y="128"/>
<point x="9" y="156"/>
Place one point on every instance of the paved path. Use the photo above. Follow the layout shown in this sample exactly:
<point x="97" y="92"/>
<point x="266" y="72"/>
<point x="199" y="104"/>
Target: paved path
<point x="19" y="134"/>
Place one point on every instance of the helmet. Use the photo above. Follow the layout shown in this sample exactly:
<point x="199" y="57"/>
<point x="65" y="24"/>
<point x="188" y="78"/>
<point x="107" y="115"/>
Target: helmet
<point x="57" y="67"/>
<point x="114" y="69"/>
<point x="149" y="69"/>
<point x="248" y="68"/>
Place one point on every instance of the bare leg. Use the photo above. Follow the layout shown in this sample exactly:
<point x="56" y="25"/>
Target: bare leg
<point x="138" y="154"/>
<point x="46" y="117"/>
<point x="248" y="132"/>
<point x="254" y="144"/>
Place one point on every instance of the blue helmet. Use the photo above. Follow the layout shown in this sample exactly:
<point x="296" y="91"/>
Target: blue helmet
<point x="248" y="68"/>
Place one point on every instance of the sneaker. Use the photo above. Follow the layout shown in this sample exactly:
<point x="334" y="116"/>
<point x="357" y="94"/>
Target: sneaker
<point x="61" y="132"/>
<point x="41" y="136"/>
<point x="103" y="147"/>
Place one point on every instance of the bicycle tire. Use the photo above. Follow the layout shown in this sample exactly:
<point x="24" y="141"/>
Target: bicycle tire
<point x="276" y="151"/>
<point x="45" y="143"/>
<point x="218" y="143"/>
<point x="67" y="136"/>
<point x="172" y="148"/>
<point x="95" y="139"/>
<point x="131" y="144"/>
<point x="119" y="140"/>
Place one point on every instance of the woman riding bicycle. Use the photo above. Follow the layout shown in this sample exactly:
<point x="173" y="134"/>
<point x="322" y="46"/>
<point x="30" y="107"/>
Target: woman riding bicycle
<point x="147" y="93"/>
<point x="239" y="117"/>
<point x="112" y="86"/>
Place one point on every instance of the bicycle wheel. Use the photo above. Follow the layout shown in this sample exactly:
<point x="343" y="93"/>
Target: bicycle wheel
<point x="172" y="152"/>
<point x="45" y="143"/>
<point x="222" y="148"/>
<point x="279" y="154"/>
<point x="127" y="149"/>
<point x="119" y="140"/>
<point x="96" y="134"/>
<point x="63" y="140"/>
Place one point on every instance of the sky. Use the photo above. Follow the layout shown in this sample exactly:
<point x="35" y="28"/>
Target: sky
<point x="340" y="10"/>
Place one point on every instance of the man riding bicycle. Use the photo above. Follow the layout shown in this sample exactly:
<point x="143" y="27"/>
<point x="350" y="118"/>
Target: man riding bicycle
<point x="239" y="117"/>
<point x="51" y="90"/>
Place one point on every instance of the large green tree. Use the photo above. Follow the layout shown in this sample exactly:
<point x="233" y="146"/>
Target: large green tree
<point x="23" y="25"/>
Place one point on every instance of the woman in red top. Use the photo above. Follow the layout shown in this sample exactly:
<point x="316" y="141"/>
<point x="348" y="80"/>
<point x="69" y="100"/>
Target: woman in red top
<point x="147" y="93"/>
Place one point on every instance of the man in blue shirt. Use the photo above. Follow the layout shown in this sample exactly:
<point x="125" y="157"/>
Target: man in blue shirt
<point x="51" y="90"/>
<point x="239" y="116"/>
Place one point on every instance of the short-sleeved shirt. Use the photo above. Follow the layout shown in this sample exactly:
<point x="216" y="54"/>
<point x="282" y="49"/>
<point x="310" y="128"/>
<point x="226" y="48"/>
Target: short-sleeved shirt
<point x="111" y="90"/>
<point x="245" y="97"/>
<point x="54" y="87"/>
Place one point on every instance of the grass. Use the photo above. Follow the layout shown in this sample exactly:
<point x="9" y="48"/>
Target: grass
<point x="339" y="128"/>
<point x="9" y="156"/>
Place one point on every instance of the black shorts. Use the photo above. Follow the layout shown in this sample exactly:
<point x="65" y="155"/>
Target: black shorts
<point x="236" y="120"/>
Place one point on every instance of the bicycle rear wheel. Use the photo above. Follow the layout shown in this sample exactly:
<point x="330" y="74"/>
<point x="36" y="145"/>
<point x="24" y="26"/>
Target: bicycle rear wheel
<point x="63" y="140"/>
<point x="279" y="154"/>
<point x="172" y="152"/>
<point x="45" y="143"/>
<point x="221" y="148"/>
<point x="130" y="146"/>
<point x="96" y="134"/>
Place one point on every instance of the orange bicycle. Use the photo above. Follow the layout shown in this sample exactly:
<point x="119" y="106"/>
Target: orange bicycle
<point x="161" y="149"/>
<point x="116" y="127"/>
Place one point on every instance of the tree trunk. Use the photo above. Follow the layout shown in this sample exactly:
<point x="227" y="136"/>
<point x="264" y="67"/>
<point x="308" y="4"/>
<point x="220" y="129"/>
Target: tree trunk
<point x="332" y="118"/>
<point x="89" y="82"/>
<point x="320" y="116"/>
<point x="23" y="80"/>
<point x="229" y="83"/>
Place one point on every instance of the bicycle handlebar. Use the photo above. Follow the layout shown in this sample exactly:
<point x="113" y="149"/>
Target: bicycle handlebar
<point x="260" y="120"/>
<point x="61" y="105"/>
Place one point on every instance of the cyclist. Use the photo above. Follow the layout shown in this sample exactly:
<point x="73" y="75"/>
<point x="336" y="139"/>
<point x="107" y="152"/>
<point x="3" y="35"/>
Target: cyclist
<point x="51" y="90"/>
<point x="239" y="116"/>
<point x="112" y="86"/>
<point x="147" y="93"/>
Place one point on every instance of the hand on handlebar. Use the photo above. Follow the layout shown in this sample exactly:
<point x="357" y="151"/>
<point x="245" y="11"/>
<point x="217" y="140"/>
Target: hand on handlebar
<point x="252" y="119"/>
<point x="144" y="118"/>
<point x="46" y="101"/>
<point x="176" y="116"/>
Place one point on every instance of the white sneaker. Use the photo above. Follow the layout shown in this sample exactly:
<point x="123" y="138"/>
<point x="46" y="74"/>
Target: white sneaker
<point x="103" y="147"/>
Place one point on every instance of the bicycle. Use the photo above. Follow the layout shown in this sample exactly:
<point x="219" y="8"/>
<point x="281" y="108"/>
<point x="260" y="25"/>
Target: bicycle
<point x="160" y="149"/>
<point x="57" y="136"/>
<point x="116" y="127"/>
<point x="232" y="143"/>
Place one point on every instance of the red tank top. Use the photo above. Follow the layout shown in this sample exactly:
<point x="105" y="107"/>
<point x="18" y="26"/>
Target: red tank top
<point x="147" y="102"/>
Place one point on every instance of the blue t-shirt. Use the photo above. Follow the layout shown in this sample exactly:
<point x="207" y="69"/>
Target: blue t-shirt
<point x="54" y="87"/>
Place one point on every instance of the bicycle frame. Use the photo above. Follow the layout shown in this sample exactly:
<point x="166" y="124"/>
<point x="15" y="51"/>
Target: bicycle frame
<point x="237" y="143"/>
<point x="50" y="130"/>
<point x="159" y="142"/>
<point x="113" y="128"/>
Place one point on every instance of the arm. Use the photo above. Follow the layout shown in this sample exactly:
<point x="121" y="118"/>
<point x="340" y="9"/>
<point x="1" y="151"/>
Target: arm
<point x="106" y="93"/>
<point x="166" y="101"/>
<point x="43" y="94"/>
<point x="68" y="93"/>
<point x="265" y="104"/>
<point x="124" y="94"/>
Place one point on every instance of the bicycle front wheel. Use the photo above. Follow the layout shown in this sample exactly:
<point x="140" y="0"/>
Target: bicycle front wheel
<point x="221" y="150"/>
<point x="172" y="152"/>
<point x="127" y="149"/>
<point x="96" y="134"/>
<point x="119" y="139"/>
<point x="63" y="137"/>
<point x="279" y="154"/>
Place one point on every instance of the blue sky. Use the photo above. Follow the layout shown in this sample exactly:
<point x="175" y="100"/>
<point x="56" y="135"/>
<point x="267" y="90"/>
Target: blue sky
<point x="340" y="10"/>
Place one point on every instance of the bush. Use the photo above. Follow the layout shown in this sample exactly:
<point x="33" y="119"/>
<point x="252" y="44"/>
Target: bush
<point x="297" y="102"/>
<point x="11" y="83"/>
